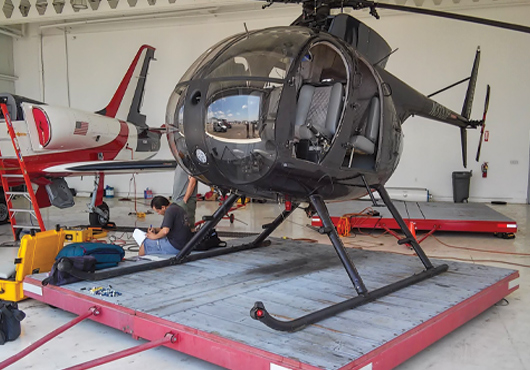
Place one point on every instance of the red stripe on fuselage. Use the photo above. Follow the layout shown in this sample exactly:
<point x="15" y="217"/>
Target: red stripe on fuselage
<point x="36" y="164"/>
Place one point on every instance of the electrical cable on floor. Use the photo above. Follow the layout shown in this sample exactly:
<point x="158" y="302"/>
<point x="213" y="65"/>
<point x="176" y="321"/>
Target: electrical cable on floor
<point x="446" y="257"/>
<point x="132" y="248"/>
<point x="475" y="260"/>
<point x="480" y="250"/>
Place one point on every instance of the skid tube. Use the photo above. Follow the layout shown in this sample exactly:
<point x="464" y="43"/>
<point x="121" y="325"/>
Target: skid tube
<point x="260" y="313"/>
<point x="184" y="255"/>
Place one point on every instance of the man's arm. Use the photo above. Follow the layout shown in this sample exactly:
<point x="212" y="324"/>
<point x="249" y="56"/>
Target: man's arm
<point x="192" y="182"/>
<point x="154" y="234"/>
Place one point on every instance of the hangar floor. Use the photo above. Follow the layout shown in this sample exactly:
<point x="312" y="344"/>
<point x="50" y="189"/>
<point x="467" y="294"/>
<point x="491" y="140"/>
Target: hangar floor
<point x="496" y="339"/>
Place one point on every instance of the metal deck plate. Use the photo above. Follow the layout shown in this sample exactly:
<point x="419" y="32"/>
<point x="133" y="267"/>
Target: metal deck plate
<point x="423" y="210"/>
<point x="442" y="216"/>
<point x="292" y="279"/>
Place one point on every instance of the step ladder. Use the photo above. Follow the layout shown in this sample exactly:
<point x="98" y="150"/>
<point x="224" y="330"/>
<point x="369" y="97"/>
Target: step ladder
<point x="17" y="174"/>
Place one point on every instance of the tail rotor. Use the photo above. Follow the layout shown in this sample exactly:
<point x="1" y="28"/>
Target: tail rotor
<point x="483" y="122"/>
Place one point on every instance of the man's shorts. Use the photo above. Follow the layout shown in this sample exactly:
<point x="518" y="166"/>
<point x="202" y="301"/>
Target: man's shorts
<point x="159" y="246"/>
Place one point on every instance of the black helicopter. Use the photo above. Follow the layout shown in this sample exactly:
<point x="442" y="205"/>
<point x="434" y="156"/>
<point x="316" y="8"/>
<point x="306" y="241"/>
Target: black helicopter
<point x="314" y="116"/>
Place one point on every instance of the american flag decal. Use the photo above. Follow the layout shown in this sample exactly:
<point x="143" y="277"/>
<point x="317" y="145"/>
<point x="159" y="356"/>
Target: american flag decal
<point x="81" y="128"/>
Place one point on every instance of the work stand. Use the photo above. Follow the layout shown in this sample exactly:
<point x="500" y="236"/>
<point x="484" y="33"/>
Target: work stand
<point x="185" y="253"/>
<point x="260" y="313"/>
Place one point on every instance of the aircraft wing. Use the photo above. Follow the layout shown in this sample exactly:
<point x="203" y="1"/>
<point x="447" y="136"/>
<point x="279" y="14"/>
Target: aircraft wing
<point x="112" y="167"/>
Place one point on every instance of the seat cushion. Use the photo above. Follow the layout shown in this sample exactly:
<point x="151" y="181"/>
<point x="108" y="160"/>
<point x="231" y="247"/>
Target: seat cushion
<point x="362" y="144"/>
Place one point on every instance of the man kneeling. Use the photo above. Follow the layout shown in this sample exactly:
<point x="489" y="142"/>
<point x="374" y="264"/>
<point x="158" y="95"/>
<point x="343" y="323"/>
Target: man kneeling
<point x="174" y="232"/>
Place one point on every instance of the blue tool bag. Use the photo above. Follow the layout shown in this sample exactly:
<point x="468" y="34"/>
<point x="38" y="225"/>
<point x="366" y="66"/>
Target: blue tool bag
<point x="10" y="318"/>
<point x="107" y="255"/>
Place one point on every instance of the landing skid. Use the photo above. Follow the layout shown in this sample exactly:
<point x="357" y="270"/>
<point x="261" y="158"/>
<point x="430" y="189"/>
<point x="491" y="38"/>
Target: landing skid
<point x="184" y="255"/>
<point x="260" y="313"/>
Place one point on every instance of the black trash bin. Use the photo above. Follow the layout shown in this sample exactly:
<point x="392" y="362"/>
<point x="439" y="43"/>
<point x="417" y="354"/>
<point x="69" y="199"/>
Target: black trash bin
<point x="461" y="181"/>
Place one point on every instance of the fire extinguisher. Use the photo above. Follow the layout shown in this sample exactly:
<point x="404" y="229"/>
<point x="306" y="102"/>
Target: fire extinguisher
<point x="484" y="169"/>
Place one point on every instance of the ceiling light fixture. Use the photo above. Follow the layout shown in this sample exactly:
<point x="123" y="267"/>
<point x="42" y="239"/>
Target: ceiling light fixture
<point x="113" y="4"/>
<point x="58" y="5"/>
<point x="41" y="6"/>
<point x="8" y="8"/>
<point x="78" y="5"/>
<point x="24" y="7"/>
<point x="94" y="4"/>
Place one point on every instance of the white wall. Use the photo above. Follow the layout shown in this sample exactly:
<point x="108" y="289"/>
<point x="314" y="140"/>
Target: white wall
<point x="433" y="53"/>
<point x="6" y="64"/>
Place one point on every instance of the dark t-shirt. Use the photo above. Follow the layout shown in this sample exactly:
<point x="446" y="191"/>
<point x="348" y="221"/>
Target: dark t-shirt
<point x="179" y="227"/>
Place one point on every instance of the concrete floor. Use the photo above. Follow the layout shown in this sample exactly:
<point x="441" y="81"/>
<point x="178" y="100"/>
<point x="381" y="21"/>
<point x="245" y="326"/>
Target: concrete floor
<point x="496" y="339"/>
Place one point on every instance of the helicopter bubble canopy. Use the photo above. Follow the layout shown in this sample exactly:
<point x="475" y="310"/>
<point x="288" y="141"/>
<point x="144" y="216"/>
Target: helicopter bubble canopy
<point x="231" y="116"/>
<point x="222" y="114"/>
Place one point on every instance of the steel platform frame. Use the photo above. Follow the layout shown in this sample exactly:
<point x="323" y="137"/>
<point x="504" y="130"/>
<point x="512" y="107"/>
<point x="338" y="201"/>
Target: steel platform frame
<point x="431" y="222"/>
<point x="215" y="348"/>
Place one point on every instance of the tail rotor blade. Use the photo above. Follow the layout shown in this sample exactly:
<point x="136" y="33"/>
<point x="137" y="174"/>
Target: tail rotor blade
<point x="463" y="139"/>
<point x="486" y="106"/>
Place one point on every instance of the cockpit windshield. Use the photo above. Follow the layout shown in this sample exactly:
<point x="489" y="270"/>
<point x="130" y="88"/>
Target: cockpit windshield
<point x="266" y="54"/>
<point x="238" y="85"/>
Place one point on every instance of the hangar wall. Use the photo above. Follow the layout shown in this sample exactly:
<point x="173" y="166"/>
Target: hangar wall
<point x="83" y="64"/>
<point x="7" y="68"/>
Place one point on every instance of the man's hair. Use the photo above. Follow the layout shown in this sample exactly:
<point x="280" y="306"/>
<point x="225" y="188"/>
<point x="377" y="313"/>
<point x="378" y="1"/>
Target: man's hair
<point x="159" y="201"/>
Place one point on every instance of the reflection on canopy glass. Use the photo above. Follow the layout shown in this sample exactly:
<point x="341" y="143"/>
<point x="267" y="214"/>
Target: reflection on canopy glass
<point x="234" y="117"/>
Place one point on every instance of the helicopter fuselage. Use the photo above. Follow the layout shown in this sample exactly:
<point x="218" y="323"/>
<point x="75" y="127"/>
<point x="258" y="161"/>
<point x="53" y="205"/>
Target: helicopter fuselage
<point x="308" y="114"/>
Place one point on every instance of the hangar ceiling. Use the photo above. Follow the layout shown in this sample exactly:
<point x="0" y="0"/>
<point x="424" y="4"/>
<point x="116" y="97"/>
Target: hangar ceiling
<point x="15" y="13"/>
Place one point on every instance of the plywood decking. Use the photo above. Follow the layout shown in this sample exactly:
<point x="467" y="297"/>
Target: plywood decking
<point x="211" y="299"/>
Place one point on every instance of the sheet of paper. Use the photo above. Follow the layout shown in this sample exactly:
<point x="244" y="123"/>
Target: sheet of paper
<point x="139" y="236"/>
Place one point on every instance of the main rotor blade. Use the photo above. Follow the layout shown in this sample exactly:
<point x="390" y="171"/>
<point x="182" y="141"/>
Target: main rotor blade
<point x="361" y="4"/>
<point x="438" y="13"/>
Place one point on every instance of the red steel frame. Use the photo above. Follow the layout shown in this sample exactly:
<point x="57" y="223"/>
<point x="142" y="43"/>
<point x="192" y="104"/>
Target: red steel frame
<point x="372" y="222"/>
<point x="234" y="355"/>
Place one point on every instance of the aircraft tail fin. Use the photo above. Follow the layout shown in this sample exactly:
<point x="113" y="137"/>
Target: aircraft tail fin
<point x="127" y="100"/>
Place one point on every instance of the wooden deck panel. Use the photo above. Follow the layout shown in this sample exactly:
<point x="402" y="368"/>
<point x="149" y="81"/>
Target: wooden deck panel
<point x="294" y="279"/>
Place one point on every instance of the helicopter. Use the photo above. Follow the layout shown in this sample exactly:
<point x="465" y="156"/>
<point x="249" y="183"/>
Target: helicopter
<point x="314" y="117"/>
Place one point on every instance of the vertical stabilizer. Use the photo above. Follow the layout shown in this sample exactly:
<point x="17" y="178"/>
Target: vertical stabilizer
<point x="127" y="100"/>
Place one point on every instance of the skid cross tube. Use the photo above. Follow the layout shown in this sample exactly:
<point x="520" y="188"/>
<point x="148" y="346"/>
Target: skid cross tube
<point x="269" y="228"/>
<point x="329" y="228"/>
<point x="11" y="360"/>
<point x="207" y="227"/>
<point x="370" y="194"/>
<point x="409" y="238"/>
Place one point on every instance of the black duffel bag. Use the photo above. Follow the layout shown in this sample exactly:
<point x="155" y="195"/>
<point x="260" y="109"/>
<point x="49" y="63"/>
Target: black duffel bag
<point x="210" y="241"/>
<point x="10" y="318"/>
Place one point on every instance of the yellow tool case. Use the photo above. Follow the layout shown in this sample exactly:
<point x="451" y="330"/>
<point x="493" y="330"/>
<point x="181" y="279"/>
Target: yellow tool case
<point x="35" y="254"/>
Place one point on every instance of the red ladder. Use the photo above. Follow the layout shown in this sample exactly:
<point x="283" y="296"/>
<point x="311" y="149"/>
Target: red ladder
<point x="13" y="175"/>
